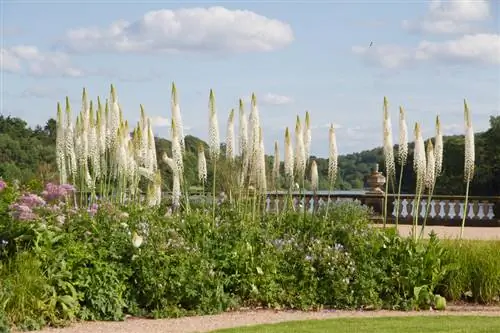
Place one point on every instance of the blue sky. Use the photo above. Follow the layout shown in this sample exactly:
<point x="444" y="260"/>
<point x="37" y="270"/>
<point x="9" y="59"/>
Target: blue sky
<point x="426" y="56"/>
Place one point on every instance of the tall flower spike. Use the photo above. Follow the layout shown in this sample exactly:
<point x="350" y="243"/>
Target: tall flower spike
<point x="300" y="155"/>
<point x="314" y="176"/>
<point x="85" y="126"/>
<point x="438" y="148"/>
<point x="176" y="115"/>
<point x="430" y="172"/>
<point x="276" y="164"/>
<point x="176" y="190"/>
<point x="169" y="162"/>
<point x="69" y="141"/>
<point x="143" y="137"/>
<point x="388" y="146"/>
<point x="101" y="127"/>
<point x="114" y="119"/>
<point x="60" y="146"/>
<point x="403" y="138"/>
<point x="419" y="159"/>
<point x="307" y="136"/>
<point x="213" y="129"/>
<point x="469" y="145"/>
<point x="289" y="160"/>
<point x="261" y="164"/>
<point x="230" y="136"/>
<point x="332" y="156"/>
<point x="243" y="130"/>
<point x="93" y="144"/>
<point x="152" y="148"/>
<point x="254" y="122"/>
<point x="202" y="164"/>
<point x="177" y="150"/>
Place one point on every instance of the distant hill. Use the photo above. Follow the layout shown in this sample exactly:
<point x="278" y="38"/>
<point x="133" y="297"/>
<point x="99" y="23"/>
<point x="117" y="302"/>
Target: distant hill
<point x="29" y="153"/>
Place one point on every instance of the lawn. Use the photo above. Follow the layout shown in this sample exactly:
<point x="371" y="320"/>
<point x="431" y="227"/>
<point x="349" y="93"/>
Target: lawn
<point x="441" y="324"/>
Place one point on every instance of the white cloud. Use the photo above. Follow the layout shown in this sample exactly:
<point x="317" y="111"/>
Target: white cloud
<point x="477" y="48"/>
<point x="43" y="92"/>
<point x="214" y="29"/>
<point x="327" y="126"/>
<point x="9" y="62"/>
<point x="29" y="59"/>
<point x="484" y="48"/>
<point x="466" y="10"/>
<point x="275" y="99"/>
<point x="453" y="129"/>
<point x="388" y="56"/>
<point x="453" y="16"/>
<point x="158" y="121"/>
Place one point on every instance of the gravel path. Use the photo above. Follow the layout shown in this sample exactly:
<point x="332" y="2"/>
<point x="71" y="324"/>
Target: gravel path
<point x="483" y="233"/>
<point x="248" y="318"/>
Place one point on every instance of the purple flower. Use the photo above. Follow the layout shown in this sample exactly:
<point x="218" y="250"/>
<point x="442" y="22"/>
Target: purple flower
<point x="55" y="192"/>
<point x="31" y="200"/>
<point x="22" y="212"/>
<point x="93" y="209"/>
<point x="3" y="185"/>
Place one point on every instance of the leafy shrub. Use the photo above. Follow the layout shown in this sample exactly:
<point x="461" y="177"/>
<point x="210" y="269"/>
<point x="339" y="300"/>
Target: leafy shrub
<point x="105" y="262"/>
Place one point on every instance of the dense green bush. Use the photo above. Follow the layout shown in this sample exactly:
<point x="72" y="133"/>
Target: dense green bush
<point x="91" y="265"/>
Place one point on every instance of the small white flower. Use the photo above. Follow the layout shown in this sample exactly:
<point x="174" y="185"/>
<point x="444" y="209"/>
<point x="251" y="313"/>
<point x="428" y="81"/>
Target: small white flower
<point x="61" y="219"/>
<point x="136" y="240"/>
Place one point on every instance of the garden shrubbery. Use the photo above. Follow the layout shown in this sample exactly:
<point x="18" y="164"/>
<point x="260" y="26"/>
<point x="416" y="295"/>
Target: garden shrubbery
<point x="104" y="263"/>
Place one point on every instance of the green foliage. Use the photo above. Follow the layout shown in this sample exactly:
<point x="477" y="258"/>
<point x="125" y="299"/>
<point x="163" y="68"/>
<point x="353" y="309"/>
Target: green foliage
<point x="24" y="296"/>
<point x="477" y="277"/>
<point x="26" y="153"/>
<point x="92" y="267"/>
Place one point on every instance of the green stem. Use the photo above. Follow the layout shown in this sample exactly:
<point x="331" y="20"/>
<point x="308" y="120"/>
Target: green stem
<point x="330" y="188"/>
<point x="186" y="192"/>
<point x="385" y="201"/>
<point x="417" y="206"/>
<point x="466" y="205"/>
<point x="427" y="208"/>
<point x="214" y="203"/>
<point x="398" y="201"/>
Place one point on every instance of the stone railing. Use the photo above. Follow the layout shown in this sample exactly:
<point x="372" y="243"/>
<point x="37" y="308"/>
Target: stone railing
<point x="443" y="210"/>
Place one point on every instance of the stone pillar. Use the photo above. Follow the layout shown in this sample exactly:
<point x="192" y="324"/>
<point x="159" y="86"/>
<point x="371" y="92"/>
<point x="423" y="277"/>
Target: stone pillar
<point x="375" y="195"/>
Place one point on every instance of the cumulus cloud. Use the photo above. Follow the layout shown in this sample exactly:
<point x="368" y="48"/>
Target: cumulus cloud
<point x="275" y="99"/>
<point x="158" y="121"/>
<point x="388" y="56"/>
<point x="27" y="59"/>
<point x="453" y="16"/>
<point x="473" y="48"/>
<point x="214" y="29"/>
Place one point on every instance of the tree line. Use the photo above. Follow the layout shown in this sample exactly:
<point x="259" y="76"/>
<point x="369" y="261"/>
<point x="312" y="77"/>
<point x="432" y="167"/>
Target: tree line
<point x="27" y="155"/>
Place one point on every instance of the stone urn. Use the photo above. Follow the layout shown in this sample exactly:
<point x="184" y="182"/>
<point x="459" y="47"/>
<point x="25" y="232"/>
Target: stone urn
<point x="376" y="181"/>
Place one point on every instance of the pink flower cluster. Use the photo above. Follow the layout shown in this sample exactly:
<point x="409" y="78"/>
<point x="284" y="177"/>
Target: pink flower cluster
<point x="3" y="185"/>
<point x="23" y="209"/>
<point x="56" y="193"/>
<point x="93" y="209"/>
